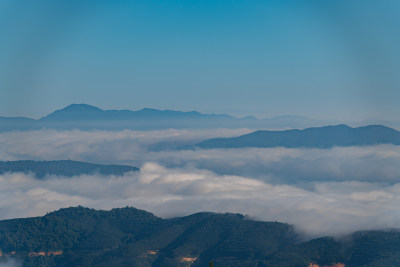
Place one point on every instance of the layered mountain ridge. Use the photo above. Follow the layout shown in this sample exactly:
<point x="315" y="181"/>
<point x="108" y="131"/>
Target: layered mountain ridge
<point x="87" y="117"/>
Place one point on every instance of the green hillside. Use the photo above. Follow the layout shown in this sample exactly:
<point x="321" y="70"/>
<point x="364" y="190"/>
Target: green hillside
<point x="131" y="237"/>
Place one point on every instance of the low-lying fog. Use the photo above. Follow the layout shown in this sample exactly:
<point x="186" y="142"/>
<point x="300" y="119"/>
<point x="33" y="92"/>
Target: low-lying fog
<point x="320" y="191"/>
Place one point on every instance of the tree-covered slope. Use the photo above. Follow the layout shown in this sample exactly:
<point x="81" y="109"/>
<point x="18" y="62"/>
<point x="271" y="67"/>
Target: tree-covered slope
<point x="131" y="237"/>
<point x="62" y="168"/>
<point x="364" y="248"/>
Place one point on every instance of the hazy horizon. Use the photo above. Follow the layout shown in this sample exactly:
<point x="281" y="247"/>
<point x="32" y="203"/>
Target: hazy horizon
<point x="324" y="60"/>
<point x="320" y="191"/>
<point x="330" y="121"/>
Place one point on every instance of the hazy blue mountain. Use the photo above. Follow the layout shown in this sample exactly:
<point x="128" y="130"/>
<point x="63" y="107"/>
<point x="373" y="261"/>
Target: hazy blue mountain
<point x="86" y="117"/>
<point x="74" y="112"/>
<point x="131" y="237"/>
<point x="62" y="167"/>
<point x="318" y="137"/>
<point x="86" y="112"/>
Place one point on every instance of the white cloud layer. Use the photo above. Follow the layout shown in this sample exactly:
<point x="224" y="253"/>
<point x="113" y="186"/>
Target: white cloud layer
<point x="320" y="191"/>
<point x="273" y="165"/>
<point x="98" y="146"/>
<point x="332" y="208"/>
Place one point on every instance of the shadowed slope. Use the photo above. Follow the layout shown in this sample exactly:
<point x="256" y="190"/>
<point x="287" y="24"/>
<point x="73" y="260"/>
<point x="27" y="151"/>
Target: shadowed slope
<point x="321" y="137"/>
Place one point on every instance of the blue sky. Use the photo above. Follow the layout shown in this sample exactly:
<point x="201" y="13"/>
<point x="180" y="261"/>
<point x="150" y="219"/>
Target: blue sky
<point x="322" y="59"/>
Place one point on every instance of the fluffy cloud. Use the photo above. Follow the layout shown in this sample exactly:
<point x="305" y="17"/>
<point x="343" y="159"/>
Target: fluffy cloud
<point x="99" y="146"/>
<point x="272" y="165"/>
<point x="320" y="191"/>
<point x="332" y="208"/>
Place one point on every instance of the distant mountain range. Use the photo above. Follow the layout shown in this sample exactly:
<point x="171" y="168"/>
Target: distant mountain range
<point x="131" y="237"/>
<point x="86" y="117"/>
<point x="62" y="168"/>
<point x="318" y="137"/>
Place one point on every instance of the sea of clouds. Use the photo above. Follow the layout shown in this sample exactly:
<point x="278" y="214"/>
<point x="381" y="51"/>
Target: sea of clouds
<point x="320" y="191"/>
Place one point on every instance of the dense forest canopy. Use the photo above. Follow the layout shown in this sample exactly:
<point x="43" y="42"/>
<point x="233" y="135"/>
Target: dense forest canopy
<point x="127" y="236"/>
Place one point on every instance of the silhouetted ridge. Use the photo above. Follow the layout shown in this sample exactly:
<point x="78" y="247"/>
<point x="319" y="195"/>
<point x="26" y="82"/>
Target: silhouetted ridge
<point x="318" y="137"/>
<point x="81" y="107"/>
<point x="87" y="117"/>
<point x="74" y="112"/>
<point x="83" y="112"/>
<point x="62" y="168"/>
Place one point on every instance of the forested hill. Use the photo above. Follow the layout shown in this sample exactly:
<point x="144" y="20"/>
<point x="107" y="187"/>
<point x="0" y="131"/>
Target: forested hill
<point x="317" y="137"/>
<point x="131" y="237"/>
<point x="62" y="168"/>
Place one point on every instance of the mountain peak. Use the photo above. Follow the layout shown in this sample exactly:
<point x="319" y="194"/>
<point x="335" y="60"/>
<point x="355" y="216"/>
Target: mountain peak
<point x="74" y="112"/>
<point x="81" y="107"/>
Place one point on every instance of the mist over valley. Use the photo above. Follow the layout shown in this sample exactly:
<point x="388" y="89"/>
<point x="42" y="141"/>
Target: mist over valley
<point x="320" y="191"/>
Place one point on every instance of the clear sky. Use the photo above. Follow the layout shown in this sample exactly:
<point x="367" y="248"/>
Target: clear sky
<point x="323" y="59"/>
